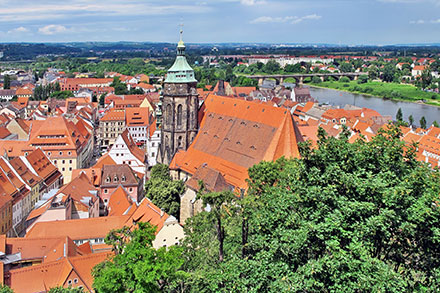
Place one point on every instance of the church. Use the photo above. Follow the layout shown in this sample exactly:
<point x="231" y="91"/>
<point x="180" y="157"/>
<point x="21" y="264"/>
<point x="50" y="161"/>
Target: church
<point x="218" y="141"/>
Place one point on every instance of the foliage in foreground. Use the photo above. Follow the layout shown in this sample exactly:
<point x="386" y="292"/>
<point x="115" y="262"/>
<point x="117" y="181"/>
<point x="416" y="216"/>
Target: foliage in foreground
<point x="163" y="191"/>
<point x="137" y="266"/>
<point x="346" y="217"/>
<point x="361" y="217"/>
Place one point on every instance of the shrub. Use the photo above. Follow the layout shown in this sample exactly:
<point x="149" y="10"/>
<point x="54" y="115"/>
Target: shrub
<point x="344" y="79"/>
<point x="316" y="79"/>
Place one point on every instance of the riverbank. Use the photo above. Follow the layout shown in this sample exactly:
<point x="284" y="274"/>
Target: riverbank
<point x="391" y="91"/>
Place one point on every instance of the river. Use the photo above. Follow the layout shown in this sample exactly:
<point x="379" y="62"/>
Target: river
<point x="384" y="107"/>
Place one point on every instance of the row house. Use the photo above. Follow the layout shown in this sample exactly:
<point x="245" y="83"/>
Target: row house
<point x="75" y="84"/>
<point x="114" y="176"/>
<point x="111" y="125"/>
<point x="153" y="142"/>
<point x="94" y="230"/>
<point x="125" y="151"/>
<point x="137" y="121"/>
<point x="68" y="145"/>
<point x="23" y="180"/>
<point x="20" y="194"/>
<point x="78" y="199"/>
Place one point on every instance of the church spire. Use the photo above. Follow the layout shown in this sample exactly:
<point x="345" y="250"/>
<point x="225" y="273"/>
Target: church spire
<point x="181" y="71"/>
<point x="181" y="44"/>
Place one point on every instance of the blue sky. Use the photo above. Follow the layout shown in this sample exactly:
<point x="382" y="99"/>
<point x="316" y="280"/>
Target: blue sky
<point x="377" y="22"/>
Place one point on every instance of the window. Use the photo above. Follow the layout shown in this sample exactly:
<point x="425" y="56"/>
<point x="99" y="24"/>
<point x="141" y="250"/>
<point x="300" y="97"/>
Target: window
<point x="49" y="153"/>
<point x="179" y="116"/>
<point x="69" y="282"/>
<point x="105" y="190"/>
<point x="61" y="153"/>
<point x="54" y="161"/>
<point x="108" y="179"/>
<point x="69" y="153"/>
<point x="26" y="153"/>
<point x="75" y="281"/>
<point x="70" y="168"/>
<point x="64" y="161"/>
<point x="169" y="114"/>
<point x="106" y="200"/>
<point x="123" y="178"/>
<point x="63" y="169"/>
<point x="70" y="161"/>
<point x="130" y="189"/>
<point x="115" y="179"/>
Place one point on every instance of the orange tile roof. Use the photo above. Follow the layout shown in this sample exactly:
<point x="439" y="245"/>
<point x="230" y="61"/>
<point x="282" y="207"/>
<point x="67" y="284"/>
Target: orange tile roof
<point x="41" y="164"/>
<point x="78" y="229"/>
<point x="243" y="90"/>
<point x="104" y="160"/>
<point x="4" y="132"/>
<point x="120" y="203"/>
<point x="236" y="134"/>
<point x="55" y="273"/>
<point x="137" y="116"/>
<point x="114" y="115"/>
<point x="149" y="212"/>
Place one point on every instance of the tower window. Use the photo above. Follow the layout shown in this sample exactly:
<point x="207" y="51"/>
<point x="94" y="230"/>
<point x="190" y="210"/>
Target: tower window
<point x="179" y="116"/>
<point x="169" y="114"/>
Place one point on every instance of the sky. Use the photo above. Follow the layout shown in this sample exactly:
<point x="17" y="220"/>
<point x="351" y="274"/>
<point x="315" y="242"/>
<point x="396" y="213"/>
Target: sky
<point x="348" y="22"/>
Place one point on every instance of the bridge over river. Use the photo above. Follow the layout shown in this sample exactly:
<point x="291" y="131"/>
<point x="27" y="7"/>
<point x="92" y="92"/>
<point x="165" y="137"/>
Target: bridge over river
<point x="299" y="77"/>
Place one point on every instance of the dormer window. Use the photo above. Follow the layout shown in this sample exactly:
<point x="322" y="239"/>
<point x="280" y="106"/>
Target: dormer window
<point x="108" y="179"/>
<point x="123" y="178"/>
<point x="115" y="179"/>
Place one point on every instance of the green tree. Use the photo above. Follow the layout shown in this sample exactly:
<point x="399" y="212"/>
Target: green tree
<point x="5" y="289"/>
<point x="271" y="67"/>
<point x="218" y="202"/>
<point x="362" y="79"/>
<point x="426" y="78"/>
<point x="373" y="73"/>
<point x="316" y="79"/>
<point x="102" y="100"/>
<point x="352" y="217"/>
<point x="411" y="120"/>
<point x="388" y="72"/>
<point x="344" y="79"/>
<point x="399" y="115"/>
<point x="120" y="88"/>
<point x="423" y="122"/>
<point x="346" y="67"/>
<point x="137" y="266"/>
<point x="7" y="82"/>
<point x="435" y="124"/>
<point x="163" y="191"/>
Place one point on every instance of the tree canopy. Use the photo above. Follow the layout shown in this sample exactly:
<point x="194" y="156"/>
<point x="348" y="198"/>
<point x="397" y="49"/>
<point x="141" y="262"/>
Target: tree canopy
<point x="345" y="217"/>
<point x="137" y="266"/>
<point x="163" y="191"/>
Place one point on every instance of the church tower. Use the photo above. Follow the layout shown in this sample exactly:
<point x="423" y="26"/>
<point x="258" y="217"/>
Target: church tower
<point x="180" y="103"/>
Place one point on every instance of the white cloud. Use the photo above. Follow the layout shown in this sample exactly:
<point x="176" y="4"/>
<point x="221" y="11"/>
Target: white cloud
<point x="18" y="30"/>
<point x="52" y="29"/>
<point x="251" y="2"/>
<point x="11" y="13"/>
<point x="422" y="21"/>
<point x="285" y="19"/>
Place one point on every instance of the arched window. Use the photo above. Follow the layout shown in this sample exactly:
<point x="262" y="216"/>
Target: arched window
<point x="179" y="142"/>
<point x="179" y="116"/>
<point x="169" y="114"/>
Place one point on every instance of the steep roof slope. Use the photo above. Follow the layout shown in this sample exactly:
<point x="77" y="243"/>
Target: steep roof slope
<point x="235" y="134"/>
